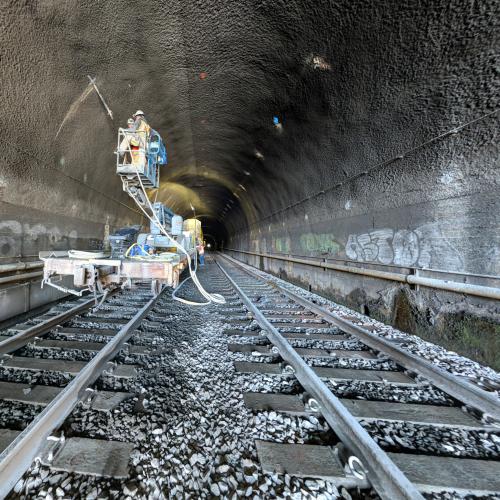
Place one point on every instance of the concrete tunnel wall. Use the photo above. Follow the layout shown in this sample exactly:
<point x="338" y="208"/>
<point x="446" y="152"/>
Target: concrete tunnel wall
<point x="353" y="85"/>
<point x="392" y="78"/>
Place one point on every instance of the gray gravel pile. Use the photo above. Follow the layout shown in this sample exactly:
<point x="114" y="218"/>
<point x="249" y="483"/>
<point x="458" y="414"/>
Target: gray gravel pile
<point x="285" y="384"/>
<point x="34" y="377"/>
<point x="359" y="364"/>
<point x="426" y="439"/>
<point x="7" y="333"/>
<point x="90" y="337"/>
<point x="32" y="351"/>
<point x="15" y="415"/>
<point x="375" y="391"/>
<point x="349" y="345"/>
<point x="306" y="330"/>
<point x="236" y="339"/>
<point x="256" y="357"/>
<point x="326" y="361"/>
<point x="446" y="495"/>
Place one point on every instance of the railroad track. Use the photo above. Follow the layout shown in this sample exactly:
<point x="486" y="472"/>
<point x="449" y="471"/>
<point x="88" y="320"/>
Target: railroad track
<point x="50" y="363"/>
<point x="369" y="389"/>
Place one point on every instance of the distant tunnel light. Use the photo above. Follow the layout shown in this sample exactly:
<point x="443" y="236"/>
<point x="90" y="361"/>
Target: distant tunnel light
<point x="259" y="155"/>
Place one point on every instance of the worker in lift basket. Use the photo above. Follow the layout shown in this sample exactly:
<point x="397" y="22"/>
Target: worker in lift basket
<point x="201" y="252"/>
<point x="141" y="127"/>
<point x="136" y="151"/>
<point x="124" y="148"/>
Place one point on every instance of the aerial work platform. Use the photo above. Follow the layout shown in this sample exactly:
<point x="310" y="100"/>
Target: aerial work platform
<point x="158" y="256"/>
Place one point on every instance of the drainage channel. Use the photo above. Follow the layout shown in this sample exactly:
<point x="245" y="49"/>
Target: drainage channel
<point x="48" y="365"/>
<point x="390" y="411"/>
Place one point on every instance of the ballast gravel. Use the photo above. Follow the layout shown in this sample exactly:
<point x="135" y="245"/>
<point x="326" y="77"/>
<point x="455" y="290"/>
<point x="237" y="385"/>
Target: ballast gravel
<point x="194" y="436"/>
<point x="447" y="360"/>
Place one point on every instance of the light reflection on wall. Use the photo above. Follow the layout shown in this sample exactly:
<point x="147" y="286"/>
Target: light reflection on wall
<point x="175" y="192"/>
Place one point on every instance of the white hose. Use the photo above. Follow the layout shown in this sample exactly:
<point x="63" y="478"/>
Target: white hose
<point x="215" y="297"/>
<point x="80" y="254"/>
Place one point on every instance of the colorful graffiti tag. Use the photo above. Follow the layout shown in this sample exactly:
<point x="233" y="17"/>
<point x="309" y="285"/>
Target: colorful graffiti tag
<point x="424" y="246"/>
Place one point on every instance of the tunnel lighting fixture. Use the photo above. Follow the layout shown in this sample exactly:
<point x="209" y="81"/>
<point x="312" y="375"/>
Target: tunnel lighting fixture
<point x="236" y="195"/>
<point x="242" y="187"/>
<point x="191" y="205"/>
<point x="258" y="154"/>
<point x="246" y="172"/>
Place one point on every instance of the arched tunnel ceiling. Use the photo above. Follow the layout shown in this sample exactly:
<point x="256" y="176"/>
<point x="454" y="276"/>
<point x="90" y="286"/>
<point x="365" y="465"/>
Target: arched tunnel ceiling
<point x="351" y="83"/>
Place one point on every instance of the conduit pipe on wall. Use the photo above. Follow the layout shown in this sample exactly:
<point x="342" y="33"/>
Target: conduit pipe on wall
<point x="411" y="279"/>
<point x="453" y="286"/>
<point x="19" y="266"/>
<point x="20" y="277"/>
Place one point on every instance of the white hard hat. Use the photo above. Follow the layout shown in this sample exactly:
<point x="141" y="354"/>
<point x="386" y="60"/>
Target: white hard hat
<point x="138" y="112"/>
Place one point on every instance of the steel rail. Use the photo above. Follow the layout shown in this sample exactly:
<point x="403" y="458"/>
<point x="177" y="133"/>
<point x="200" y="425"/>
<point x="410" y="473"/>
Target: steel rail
<point x="18" y="456"/>
<point x="456" y="387"/>
<point x="19" y="340"/>
<point x="382" y="473"/>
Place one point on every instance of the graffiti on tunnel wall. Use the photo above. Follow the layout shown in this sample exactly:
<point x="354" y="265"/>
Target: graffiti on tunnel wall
<point x="309" y="243"/>
<point x="321" y="242"/>
<point x="282" y="245"/>
<point x="425" y="246"/>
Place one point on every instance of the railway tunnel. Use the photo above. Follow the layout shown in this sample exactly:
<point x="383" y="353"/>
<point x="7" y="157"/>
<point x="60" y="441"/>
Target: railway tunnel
<point x="347" y="147"/>
<point x="360" y="134"/>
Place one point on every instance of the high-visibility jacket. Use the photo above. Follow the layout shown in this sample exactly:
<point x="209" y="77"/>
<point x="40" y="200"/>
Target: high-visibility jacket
<point x="143" y="130"/>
